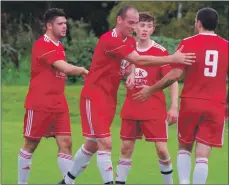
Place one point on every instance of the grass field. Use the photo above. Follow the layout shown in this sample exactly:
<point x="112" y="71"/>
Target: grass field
<point x="44" y="164"/>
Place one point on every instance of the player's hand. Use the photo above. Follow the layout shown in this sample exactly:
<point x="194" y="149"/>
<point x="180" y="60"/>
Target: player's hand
<point x="142" y="95"/>
<point x="130" y="81"/>
<point x="183" y="58"/>
<point x="172" y="115"/>
<point x="227" y="112"/>
<point x="84" y="72"/>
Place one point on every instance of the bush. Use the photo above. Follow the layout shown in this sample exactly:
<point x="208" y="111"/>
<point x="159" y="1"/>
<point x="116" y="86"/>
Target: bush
<point x="81" y="47"/>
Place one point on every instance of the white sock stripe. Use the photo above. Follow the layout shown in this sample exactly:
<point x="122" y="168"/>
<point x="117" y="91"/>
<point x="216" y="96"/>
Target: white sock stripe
<point x="123" y="159"/>
<point x="125" y="163"/>
<point x="82" y="147"/>
<point x="103" y="153"/>
<point x="184" y="152"/>
<point x="25" y="156"/>
<point x="26" y="153"/>
<point x="64" y="156"/>
<point x="165" y="162"/>
<point x="86" y="153"/>
<point x="202" y="160"/>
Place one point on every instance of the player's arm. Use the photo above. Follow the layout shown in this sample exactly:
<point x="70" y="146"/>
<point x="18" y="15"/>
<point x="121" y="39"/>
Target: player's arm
<point x="132" y="70"/>
<point x="115" y="47"/>
<point x="171" y="77"/>
<point x="176" y="58"/>
<point x="56" y="59"/>
<point x="69" y="69"/>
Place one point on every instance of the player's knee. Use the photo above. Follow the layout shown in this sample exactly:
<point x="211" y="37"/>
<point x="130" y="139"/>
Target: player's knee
<point x="163" y="153"/>
<point x="187" y="147"/>
<point x="30" y="145"/>
<point x="105" y="144"/>
<point x="202" y="150"/>
<point x="91" y="145"/>
<point x="127" y="149"/>
<point x="64" y="144"/>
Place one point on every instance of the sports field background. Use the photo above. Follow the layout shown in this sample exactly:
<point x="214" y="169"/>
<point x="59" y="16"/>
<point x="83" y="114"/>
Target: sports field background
<point x="44" y="163"/>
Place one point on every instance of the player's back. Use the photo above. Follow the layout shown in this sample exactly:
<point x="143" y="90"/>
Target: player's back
<point x="206" y="79"/>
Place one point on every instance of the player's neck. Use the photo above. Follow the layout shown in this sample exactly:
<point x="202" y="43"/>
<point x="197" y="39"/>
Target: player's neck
<point x="143" y="44"/>
<point x="206" y="31"/>
<point x="54" y="39"/>
<point x="118" y="32"/>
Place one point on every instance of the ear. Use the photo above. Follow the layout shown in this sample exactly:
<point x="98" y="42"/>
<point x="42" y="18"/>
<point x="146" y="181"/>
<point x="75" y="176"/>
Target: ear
<point x="119" y="19"/>
<point x="49" y="26"/>
<point x="199" y="24"/>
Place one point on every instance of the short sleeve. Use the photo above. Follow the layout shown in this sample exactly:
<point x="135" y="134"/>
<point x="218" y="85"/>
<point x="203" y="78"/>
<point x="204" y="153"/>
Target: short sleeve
<point x="114" y="46"/>
<point x="47" y="54"/>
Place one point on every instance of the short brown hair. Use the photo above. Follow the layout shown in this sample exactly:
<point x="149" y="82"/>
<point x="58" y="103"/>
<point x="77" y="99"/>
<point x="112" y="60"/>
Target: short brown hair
<point x="146" y="17"/>
<point x="52" y="13"/>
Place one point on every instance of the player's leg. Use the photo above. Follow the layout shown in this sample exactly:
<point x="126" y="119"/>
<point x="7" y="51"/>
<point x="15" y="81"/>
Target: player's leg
<point x="184" y="162"/>
<point x="83" y="156"/>
<point x="35" y="124"/>
<point x="156" y="130"/>
<point x="209" y="134"/>
<point x="130" y="131"/>
<point x="61" y="129"/>
<point x="165" y="163"/>
<point x="188" y="119"/>
<point x="96" y="122"/>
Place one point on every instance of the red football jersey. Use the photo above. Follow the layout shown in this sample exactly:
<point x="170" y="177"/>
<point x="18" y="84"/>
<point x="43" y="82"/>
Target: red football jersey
<point x="107" y="67"/>
<point x="46" y="90"/>
<point x="206" y="79"/>
<point x="147" y="75"/>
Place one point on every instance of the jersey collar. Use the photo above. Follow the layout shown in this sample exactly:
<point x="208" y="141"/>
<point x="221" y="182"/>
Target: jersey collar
<point x="55" y="43"/>
<point x="211" y="34"/>
<point x="145" y="49"/>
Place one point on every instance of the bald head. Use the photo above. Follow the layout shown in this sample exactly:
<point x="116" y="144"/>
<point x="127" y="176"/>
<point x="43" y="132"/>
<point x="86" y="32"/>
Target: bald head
<point x="123" y="11"/>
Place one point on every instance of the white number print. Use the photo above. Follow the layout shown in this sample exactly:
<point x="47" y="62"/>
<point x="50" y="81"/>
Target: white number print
<point x="211" y="62"/>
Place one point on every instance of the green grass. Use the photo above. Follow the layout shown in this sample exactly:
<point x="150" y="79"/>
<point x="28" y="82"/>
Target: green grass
<point x="44" y="164"/>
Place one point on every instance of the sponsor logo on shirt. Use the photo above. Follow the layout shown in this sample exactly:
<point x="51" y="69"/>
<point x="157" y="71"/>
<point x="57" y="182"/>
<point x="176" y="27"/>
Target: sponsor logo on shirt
<point x="140" y="77"/>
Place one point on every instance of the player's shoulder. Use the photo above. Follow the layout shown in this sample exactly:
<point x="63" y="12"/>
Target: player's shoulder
<point x="45" y="42"/>
<point x="111" y="34"/>
<point x="191" y="38"/>
<point x="223" y="40"/>
<point x="158" y="46"/>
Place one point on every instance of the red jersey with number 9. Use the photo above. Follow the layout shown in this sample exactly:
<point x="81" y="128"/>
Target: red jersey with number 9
<point x="206" y="78"/>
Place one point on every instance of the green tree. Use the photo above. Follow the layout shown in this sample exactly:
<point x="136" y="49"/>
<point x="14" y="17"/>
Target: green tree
<point x="177" y="19"/>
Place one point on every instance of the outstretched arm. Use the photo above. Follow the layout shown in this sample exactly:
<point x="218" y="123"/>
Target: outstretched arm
<point x="176" y="58"/>
<point x="69" y="68"/>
